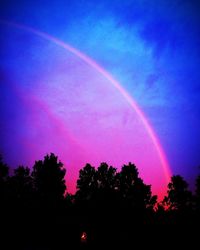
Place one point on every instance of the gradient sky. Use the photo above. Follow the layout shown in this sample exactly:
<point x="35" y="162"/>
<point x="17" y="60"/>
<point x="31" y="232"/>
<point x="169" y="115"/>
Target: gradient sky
<point x="151" y="47"/>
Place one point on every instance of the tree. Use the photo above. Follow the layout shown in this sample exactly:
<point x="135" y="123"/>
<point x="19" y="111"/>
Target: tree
<point x="106" y="197"/>
<point x="106" y="177"/>
<point x="48" y="177"/>
<point x="21" y="185"/>
<point x="133" y="189"/>
<point x="197" y="194"/>
<point x="93" y="181"/>
<point x="4" y="170"/>
<point x="87" y="182"/>
<point x="178" y="196"/>
<point x="127" y="178"/>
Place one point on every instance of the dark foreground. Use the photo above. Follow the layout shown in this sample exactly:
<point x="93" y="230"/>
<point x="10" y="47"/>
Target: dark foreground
<point x="34" y="235"/>
<point x="110" y="210"/>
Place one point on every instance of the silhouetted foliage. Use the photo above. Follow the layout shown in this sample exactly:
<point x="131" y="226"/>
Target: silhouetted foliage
<point x="136" y="199"/>
<point x="133" y="189"/>
<point x="48" y="178"/>
<point x="110" y="207"/>
<point x="178" y="196"/>
<point x="87" y="182"/>
<point x="3" y="170"/>
<point x="21" y="183"/>
<point x="106" y="177"/>
<point x="197" y="194"/>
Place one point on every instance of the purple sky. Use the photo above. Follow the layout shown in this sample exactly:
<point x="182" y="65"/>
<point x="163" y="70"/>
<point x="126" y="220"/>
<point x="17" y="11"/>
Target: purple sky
<point x="51" y="100"/>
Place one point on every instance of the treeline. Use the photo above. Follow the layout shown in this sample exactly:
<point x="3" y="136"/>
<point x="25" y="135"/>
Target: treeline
<point x="36" y="209"/>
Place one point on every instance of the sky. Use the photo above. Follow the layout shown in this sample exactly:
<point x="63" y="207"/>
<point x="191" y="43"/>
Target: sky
<point x="52" y="100"/>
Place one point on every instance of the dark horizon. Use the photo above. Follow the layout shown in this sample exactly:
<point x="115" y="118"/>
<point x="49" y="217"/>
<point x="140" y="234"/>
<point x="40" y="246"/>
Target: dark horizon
<point x="107" y="209"/>
<point x="11" y="171"/>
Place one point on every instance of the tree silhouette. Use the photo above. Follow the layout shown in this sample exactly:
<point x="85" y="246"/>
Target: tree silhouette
<point x="178" y="196"/>
<point x="106" y="193"/>
<point x="21" y="184"/>
<point x="4" y="170"/>
<point x="48" y="178"/>
<point x="106" y="177"/>
<point x="160" y="213"/>
<point x="197" y="194"/>
<point x="87" y="183"/>
<point x="105" y="198"/>
<point x="133" y="189"/>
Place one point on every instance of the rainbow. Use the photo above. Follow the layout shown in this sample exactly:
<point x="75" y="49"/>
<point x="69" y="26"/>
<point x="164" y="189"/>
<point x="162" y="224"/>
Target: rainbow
<point x="115" y="83"/>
